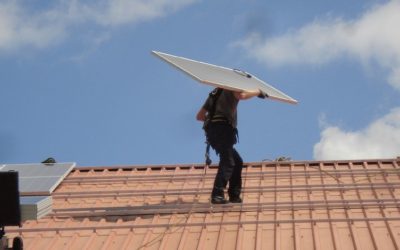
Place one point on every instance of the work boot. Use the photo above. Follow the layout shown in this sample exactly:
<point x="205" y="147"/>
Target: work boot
<point x="235" y="199"/>
<point x="234" y="196"/>
<point x="217" y="196"/>
<point x="218" y="200"/>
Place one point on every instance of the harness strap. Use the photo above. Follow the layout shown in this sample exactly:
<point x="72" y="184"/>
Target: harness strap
<point x="208" y="159"/>
<point x="215" y="95"/>
<point x="237" y="134"/>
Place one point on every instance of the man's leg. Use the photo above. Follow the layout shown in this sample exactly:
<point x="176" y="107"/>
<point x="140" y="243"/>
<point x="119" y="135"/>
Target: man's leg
<point x="217" y="195"/>
<point x="222" y="137"/>
<point x="235" y="182"/>
<point x="224" y="174"/>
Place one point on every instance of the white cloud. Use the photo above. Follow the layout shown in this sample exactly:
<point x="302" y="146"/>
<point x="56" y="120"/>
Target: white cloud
<point x="119" y="12"/>
<point x="94" y="44"/>
<point x="374" y="37"/>
<point x="17" y="28"/>
<point x="20" y="26"/>
<point x="381" y="139"/>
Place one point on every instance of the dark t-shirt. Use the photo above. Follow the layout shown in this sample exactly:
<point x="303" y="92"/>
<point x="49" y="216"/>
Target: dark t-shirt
<point x="226" y="106"/>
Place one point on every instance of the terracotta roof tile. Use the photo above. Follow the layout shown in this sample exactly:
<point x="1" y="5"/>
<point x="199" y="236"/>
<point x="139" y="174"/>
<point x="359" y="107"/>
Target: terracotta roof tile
<point x="287" y="205"/>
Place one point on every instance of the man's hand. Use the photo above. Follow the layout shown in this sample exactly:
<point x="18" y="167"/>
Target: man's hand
<point x="244" y="95"/>
<point x="262" y="95"/>
<point x="201" y="115"/>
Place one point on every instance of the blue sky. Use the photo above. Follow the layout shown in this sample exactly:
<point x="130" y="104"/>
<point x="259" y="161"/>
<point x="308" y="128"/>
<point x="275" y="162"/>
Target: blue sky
<point x="78" y="81"/>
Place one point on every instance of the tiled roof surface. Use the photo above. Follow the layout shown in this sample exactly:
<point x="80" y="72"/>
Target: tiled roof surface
<point x="287" y="205"/>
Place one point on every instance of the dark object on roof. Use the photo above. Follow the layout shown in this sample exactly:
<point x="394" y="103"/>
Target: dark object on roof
<point x="18" y="243"/>
<point x="49" y="161"/>
<point x="283" y="158"/>
<point x="10" y="214"/>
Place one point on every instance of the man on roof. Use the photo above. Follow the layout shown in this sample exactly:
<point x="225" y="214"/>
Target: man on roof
<point x="219" y="114"/>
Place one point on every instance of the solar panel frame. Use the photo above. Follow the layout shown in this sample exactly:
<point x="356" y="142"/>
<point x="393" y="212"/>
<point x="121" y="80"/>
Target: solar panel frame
<point x="39" y="178"/>
<point x="35" y="207"/>
<point x="218" y="76"/>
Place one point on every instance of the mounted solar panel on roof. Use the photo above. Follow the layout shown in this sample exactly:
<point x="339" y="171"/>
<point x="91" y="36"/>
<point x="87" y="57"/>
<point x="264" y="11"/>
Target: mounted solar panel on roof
<point x="233" y="79"/>
<point x="39" y="179"/>
<point x="35" y="207"/>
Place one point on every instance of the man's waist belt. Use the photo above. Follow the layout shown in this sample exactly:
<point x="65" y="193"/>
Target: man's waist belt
<point x="219" y="119"/>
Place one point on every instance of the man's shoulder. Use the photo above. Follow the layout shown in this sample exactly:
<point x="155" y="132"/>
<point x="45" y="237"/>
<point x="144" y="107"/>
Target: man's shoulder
<point x="229" y="95"/>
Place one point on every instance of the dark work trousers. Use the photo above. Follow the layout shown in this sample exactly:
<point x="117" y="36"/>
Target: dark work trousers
<point x="222" y="137"/>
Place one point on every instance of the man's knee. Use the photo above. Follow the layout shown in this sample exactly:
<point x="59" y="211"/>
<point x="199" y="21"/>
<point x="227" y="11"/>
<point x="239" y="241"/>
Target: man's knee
<point x="237" y="158"/>
<point x="227" y="158"/>
<point x="239" y="161"/>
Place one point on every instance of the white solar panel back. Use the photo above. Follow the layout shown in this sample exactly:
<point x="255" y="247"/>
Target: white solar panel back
<point x="38" y="178"/>
<point x="218" y="76"/>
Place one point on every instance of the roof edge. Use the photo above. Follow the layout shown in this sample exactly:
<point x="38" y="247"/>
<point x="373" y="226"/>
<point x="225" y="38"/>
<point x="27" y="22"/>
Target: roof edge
<point x="200" y="166"/>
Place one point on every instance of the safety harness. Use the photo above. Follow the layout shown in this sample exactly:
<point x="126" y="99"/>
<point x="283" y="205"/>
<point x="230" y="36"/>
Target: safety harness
<point x="214" y="95"/>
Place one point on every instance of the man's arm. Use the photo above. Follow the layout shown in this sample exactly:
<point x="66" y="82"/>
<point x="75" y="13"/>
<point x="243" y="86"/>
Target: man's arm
<point x="244" y="95"/>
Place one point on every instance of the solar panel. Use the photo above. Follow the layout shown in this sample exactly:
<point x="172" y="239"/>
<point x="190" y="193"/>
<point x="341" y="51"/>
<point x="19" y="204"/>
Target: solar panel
<point x="233" y="79"/>
<point x="38" y="178"/>
<point x="35" y="207"/>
